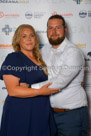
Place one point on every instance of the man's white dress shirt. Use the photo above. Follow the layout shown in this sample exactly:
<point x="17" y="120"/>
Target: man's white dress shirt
<point x="66" y="71"/>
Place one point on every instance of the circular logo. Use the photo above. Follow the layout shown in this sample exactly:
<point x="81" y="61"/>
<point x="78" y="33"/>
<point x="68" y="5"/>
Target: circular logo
<point x="83" y="13"/>
<point x="28" y="15"/>
<point x="1" y="14"/>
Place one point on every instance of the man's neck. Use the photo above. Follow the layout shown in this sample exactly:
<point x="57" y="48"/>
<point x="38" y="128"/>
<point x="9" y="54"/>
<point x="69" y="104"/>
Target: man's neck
<point x="56" y="46"/>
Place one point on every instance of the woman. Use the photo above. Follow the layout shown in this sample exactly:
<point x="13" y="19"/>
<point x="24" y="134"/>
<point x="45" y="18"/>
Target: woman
<point x="26" y="111"/>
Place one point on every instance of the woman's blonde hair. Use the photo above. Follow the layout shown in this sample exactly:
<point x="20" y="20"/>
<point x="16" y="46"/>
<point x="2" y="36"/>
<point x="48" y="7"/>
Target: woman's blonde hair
<point x="36" y="52"/>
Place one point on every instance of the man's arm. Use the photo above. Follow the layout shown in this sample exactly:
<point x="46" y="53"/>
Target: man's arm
<point x="70" y="69"/>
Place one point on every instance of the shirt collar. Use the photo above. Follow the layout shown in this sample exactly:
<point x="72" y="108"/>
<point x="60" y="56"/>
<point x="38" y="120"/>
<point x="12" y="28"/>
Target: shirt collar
<point x="61" y="47"/>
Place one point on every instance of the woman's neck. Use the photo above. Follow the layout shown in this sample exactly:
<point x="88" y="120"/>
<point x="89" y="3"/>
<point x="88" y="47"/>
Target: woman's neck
<point x="29" y="54"/>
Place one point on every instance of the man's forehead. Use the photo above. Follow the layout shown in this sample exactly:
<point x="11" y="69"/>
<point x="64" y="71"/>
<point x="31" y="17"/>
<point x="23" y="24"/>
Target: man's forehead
<point x="55" y="21"/>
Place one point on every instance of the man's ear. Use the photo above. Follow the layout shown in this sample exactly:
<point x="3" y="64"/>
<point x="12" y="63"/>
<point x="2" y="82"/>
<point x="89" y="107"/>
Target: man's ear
<point x="65" y="29"/>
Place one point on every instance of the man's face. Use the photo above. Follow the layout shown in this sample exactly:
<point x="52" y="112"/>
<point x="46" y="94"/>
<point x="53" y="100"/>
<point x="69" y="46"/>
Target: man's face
<point x="56" y="32"/>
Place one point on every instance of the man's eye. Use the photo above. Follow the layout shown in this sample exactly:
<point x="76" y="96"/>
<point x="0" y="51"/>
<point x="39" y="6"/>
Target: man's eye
<point x="58" y="27"/>
<point x="50" y="28"/>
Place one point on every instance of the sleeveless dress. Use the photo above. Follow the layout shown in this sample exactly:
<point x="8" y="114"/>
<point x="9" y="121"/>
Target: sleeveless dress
<point x="25" y="116"/>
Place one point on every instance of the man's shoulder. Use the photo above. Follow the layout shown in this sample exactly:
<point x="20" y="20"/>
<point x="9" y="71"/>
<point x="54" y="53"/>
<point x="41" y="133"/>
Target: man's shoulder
<point x="71" y="46"/>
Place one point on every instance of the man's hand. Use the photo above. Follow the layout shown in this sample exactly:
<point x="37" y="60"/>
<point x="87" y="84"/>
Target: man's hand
<point x="24" y="85"/>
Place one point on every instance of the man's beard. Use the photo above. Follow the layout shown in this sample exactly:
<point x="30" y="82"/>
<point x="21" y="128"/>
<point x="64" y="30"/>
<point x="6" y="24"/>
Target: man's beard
<point x="58" y="41"/>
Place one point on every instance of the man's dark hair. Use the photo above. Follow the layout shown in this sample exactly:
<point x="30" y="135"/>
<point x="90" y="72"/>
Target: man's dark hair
<point x="57" y="17"/>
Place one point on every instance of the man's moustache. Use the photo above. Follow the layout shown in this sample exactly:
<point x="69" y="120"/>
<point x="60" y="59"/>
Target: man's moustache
<point x="54" y="35"/>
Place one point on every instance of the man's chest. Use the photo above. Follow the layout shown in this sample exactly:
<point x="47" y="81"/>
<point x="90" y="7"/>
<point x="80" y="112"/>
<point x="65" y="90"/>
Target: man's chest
<point x="55" y="62"/>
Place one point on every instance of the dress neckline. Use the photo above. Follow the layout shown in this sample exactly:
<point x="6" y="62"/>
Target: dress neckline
<point x="29" y="59"/>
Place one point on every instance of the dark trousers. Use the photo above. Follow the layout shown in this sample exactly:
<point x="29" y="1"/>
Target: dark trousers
<point x="72" y="123"/>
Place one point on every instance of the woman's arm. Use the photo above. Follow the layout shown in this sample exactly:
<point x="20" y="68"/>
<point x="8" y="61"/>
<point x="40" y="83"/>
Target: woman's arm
<point x="14" y="88"/>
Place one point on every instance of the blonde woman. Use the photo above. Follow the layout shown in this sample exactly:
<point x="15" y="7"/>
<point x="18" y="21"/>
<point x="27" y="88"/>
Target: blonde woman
<point x="26" y="111"/>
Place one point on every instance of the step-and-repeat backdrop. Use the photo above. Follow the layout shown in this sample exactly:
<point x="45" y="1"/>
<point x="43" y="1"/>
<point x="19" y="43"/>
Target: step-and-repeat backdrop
<point x="77" y="14"/>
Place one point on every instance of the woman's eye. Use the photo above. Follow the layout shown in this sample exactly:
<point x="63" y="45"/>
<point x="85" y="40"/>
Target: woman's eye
<point x="24" y="36"/>
<point x="32" y="35"/>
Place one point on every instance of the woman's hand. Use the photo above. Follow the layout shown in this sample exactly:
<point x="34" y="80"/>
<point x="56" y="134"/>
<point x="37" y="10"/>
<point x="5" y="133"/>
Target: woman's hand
<point x="44" y="90"/>
<point x="16" y="90"/>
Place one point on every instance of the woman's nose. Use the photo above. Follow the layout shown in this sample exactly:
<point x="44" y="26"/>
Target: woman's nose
<point x="29" y="38"/>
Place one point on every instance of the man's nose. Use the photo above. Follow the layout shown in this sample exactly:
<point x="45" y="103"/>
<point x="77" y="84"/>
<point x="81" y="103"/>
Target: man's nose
<point x="54" y="30"/>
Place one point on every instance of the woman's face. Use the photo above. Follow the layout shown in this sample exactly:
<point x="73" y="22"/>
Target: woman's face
<point x="27" y="40"/>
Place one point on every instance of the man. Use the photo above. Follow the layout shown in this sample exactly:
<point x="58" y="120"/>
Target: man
<point x="65" y="64"/>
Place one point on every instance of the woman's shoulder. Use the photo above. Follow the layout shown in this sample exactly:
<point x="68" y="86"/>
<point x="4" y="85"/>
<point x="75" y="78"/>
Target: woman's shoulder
<point x="13" y="54"/>
<point x="13" y="58"/>
<point x="12" y="65"/>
